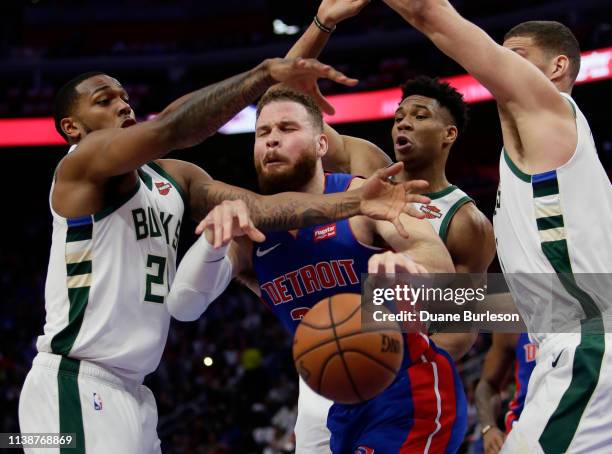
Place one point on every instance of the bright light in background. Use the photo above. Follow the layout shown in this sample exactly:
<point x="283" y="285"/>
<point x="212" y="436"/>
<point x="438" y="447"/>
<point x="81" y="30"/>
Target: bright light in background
<point x="280" y="28"/>
<point x="208" y="361"/>
<point x="353" y="107"/>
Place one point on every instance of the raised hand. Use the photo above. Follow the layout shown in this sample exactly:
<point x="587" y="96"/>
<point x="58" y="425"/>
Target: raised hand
<point x="302" y="74"/>
<point x="226" y="221"/>
<point x="384" y="200"/>
<point x="332" y="12"/>
<point x="390" y="262"/>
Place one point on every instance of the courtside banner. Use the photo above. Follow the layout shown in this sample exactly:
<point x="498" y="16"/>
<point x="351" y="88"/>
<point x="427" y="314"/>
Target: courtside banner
<point x="548" y="303"/>
<point x="350" y="108"/>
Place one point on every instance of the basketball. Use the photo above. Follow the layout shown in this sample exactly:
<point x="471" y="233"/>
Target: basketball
<point x="341" y="361"/>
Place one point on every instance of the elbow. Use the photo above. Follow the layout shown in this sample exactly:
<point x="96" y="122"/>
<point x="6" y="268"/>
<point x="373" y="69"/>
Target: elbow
<point x="186" y="304"/>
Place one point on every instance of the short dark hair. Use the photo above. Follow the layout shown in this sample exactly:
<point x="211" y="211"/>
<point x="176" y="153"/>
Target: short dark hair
<point x="552" y="37"/>
<point x="287" y="94"/>
<point x="66" y="98"/>
<point x="442" y="92"/>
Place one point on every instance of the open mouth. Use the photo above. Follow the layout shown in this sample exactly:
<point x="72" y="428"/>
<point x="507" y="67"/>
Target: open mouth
<point x="402" y="143"/>
<point x="128" y="122"/>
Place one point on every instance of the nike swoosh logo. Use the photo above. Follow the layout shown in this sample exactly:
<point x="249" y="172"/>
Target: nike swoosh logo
<point x="556" y="360"/>
<point x="260" y="253"/>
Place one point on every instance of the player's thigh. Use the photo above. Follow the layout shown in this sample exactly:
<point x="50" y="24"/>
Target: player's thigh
<point x="38" y="402"/>
<point x="148" y="412"/>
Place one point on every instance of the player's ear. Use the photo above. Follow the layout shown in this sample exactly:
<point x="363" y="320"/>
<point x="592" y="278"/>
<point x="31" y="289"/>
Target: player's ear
<point x="71" y="128"/>
<point x="322" y="145"/>
<point x="560" y="67"/>
<point x="450" y="134"/>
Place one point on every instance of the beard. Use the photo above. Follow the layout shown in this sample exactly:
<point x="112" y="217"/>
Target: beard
<point x="292" y="179"/>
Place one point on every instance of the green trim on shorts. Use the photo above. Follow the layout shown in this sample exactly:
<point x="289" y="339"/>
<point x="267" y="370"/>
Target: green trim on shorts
<point x="562" y="425"/>
<point x="70" y="412"/>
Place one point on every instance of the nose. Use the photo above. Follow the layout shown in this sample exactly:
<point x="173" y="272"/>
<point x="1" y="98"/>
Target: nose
<point x="124" y="108"/>
<point x="405" y="124"/>
<point x="273" y="140"/>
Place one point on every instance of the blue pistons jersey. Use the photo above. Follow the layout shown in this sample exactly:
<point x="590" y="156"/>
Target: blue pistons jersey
<point x="424" y="409"/>
<point x="296" y="272"/>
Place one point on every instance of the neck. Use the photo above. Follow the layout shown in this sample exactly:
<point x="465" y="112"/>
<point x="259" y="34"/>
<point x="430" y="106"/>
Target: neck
<point x="316" y="185"/>
<point x="435" y="175"/>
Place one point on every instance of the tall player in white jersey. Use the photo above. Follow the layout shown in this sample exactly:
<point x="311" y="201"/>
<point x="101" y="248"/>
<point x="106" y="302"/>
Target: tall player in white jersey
<point x="117" y="210"/>
<point x="548" y="168"/>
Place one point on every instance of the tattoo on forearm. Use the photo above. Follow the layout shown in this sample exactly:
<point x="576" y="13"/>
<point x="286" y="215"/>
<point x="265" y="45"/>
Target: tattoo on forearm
<point x="211" y="107"/>
<point x="281" y="212"/>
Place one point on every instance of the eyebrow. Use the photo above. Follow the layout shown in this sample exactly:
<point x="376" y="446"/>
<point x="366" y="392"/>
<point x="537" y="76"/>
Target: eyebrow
<point x="106" y="87"/>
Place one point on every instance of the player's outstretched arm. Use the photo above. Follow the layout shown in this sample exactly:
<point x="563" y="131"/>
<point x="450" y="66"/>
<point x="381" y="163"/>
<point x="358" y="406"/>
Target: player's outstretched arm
<point x="345" y="153"/>
<point x="519" y="87"/>
<point x="110" y="152"/>
<point x="500" y="70"/>
<point x="378" y="198"/>
<point x="329" y="14"/>
<point x="213" y="260"/>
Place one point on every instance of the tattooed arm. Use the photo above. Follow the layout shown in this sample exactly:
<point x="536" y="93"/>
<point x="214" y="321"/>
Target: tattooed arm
<point x="378" y="198"/>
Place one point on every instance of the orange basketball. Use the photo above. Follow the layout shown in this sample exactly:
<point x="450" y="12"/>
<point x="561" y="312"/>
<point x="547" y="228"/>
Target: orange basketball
<point x="340" y="360"/>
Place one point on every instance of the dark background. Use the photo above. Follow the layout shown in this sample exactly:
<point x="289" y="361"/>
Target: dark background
<point x="160" y="50"/>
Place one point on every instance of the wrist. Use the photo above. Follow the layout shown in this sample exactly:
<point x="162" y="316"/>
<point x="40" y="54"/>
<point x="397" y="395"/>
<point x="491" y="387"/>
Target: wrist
<point x="324" y="23"/>
<point x="263" y="73"/>
<point x="209" y="253"/>
<point x="486" y="429"/>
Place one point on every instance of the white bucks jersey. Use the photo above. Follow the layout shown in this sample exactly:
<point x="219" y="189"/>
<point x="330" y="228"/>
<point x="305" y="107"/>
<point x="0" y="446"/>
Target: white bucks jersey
<point x="108" y="277"/>
<point x="443" y="206"/>
<point x="557" y="222"/>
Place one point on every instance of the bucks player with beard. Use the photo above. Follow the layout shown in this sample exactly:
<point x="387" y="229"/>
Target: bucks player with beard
<point x="117" y="211"/>
<point x="548" y="167"/>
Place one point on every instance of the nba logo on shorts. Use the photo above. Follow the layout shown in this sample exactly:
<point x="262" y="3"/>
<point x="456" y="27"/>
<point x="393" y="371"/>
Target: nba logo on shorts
<point x="97" y="401"/>
<point x="364" y="450"/>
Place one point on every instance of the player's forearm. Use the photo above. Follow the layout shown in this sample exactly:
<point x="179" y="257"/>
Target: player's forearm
<point x="288" y="210"/>
<point x="203" y="112"/>
<point x="484" y="396"/>
<point x="284" y="211"/>
<point x="310" y="44"/>
<point x="432" y="256"/>
<point x="203" y="274"/>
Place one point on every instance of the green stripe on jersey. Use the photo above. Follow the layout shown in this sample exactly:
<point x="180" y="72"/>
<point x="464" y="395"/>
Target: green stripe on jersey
<point x="515" y="170"/>
<point x="449" y="216"/>
<point x="562" y="425"/>
<point x="115" y="206"/>
<point x="159" y="169"/>
<point x="550" y="222"/>
<point x="442" y="193"/>
<point x="544" y="188"/>
<point x="76" y="269"/>
<point x="62" y="342"/>
<point x="70" y="411"/>
<point x="79" y="233"/>
<point x="144" y="176"/>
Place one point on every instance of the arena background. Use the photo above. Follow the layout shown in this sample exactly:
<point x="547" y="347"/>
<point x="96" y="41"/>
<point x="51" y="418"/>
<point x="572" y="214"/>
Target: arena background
<point x="159" y="50"/>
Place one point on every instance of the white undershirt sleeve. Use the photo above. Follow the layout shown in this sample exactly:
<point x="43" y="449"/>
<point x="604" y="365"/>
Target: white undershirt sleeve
<point x="203" y="274"/>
